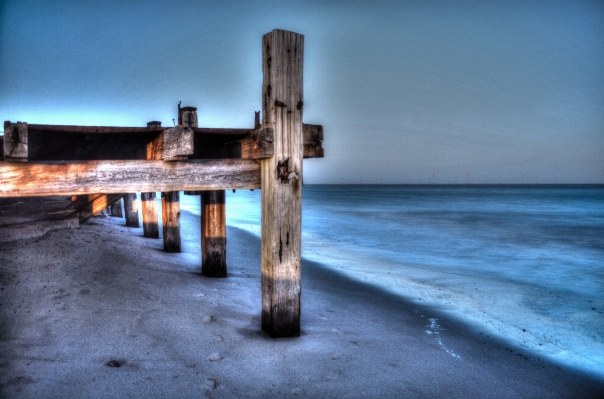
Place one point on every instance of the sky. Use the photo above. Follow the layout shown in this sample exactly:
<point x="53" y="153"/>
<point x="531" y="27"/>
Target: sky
<point x="414" y="92"/>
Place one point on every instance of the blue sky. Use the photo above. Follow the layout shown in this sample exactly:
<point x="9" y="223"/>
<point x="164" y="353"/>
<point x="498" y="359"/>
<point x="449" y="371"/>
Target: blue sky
<point x="407" y="91"/>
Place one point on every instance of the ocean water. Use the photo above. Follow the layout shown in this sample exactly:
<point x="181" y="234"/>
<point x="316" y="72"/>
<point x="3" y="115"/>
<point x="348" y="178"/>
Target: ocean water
<point x="522" y="263"/>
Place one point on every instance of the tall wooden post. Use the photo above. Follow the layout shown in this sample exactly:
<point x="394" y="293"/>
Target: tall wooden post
<point x="149" y="203"/>
<point x="131" y="207"/>
<point x="213" y="234"/>
<point x="282" y="62"/>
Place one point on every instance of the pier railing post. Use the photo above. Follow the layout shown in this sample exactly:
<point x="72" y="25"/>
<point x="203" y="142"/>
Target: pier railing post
<point x="282" y="64"/>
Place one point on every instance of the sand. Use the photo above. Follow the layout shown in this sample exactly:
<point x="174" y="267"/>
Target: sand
<point x="77" y="303"/>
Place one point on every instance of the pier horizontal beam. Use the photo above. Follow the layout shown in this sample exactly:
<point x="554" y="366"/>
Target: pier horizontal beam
<point x="106" y="177"/>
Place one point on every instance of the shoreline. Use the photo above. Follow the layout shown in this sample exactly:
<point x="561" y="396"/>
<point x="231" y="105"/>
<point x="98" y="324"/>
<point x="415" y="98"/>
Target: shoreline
<point x="76" y="299"/>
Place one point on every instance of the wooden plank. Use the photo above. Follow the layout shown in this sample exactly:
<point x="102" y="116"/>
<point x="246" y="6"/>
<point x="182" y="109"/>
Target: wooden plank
<point x="171" y="144"/>
<point x="213" y="234"/>
<point x="131" y="210"/>
<point x="103" y="177"/>
<point x="170" y="205"/>
<point x="282" y="99"/>
<point x="258" y="145"/>
<point x="150" y="220"/>
<point x="93" y="129"/>
<point x="15" y="142"/>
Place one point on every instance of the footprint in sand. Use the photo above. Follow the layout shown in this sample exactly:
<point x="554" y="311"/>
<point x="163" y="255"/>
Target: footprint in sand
<point x="211" y="383"/>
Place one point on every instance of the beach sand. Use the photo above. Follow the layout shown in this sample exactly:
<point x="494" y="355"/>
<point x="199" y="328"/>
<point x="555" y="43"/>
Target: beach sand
<point x="76" y="302"/>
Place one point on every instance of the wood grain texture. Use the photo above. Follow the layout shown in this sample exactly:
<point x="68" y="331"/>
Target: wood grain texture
<point x="15" y="142"/>
<point x="95" y="204"/>
<point x="150" y="219"/>
<point x="213" y="234"/>
<point x="170" y="205"/>
<point x="187" y="116"/>
<point x="105" y="177"/>
<point x="282" y="65"/>
<point x="258" y="145"/>
<point x="171" y="144"/>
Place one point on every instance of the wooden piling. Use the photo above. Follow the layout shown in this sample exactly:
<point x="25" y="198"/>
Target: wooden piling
<point x="148" y="200"/>
<point x="213" y="234"/>
<point x="282" y="63"/>
<point x="131" y="208"/>
<point x="213" y="216"/>
<point x="116" y="209"/>
<point x="15" y="142"/>
<point x="150" y="220"/>
<point x="170" y="206"/>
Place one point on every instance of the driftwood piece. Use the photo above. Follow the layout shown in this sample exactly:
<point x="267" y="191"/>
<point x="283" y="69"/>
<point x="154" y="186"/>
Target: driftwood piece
<point x="282" y="63"/>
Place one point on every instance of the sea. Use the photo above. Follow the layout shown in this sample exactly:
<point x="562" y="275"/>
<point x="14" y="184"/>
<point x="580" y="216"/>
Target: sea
<point x="521" y="263"/>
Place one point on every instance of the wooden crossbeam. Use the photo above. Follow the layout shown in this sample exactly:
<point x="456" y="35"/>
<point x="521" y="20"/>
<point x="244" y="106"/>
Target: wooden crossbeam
<point x="91" y="177"/>
<point x="69" y="142"/>
<point x="313" y="138"/>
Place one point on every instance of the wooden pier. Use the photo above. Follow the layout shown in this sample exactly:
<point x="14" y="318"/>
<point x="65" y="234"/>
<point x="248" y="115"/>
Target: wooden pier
<point x="98" y="166"/>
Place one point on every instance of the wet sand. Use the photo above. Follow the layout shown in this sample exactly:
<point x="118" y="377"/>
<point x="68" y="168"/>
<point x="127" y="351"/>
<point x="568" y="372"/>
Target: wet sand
<point x="76" y="302"/>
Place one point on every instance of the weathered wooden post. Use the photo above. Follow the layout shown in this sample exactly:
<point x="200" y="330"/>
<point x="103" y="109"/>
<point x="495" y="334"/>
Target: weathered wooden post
<point x="171" y="145"/>
<point x="213" y="216"/>
<point x="149" y="203"/>
<point x="213" y="234"/>
<point x="15" y="142"/>
<point x="282" y="100"/>
<point x="131" y="208"/>
<point x="116" y="209"/>
<point x="170" y="209"/>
